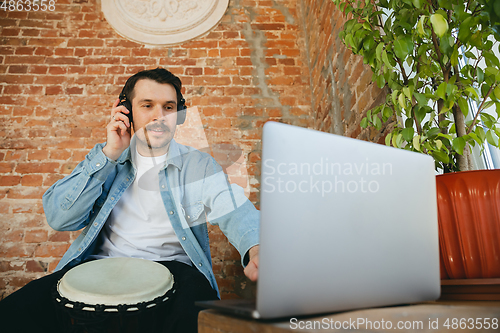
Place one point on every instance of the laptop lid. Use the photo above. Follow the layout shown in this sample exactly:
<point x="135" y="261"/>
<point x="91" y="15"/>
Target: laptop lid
<point x="345" y="224"/>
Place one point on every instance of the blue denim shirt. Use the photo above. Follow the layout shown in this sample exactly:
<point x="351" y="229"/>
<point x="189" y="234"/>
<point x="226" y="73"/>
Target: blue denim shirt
<point x="193" y="188"/>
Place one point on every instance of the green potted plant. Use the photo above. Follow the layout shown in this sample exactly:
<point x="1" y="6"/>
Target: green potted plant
<point x="436" y="60"/>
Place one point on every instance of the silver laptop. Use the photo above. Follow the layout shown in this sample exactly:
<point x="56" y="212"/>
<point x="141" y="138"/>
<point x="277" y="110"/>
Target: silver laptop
<point x="345" y="224"/>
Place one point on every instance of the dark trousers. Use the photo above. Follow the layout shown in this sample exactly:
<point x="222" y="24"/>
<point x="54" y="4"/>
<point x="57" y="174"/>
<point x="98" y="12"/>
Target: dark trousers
<point x="31" y="308"/>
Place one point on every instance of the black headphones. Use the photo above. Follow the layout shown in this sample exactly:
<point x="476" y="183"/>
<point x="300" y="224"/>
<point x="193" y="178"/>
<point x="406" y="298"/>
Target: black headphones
<point x="181" y="106"/>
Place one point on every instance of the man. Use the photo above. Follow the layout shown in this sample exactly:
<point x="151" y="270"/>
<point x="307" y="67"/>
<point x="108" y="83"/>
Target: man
<point x="146" y="196"/>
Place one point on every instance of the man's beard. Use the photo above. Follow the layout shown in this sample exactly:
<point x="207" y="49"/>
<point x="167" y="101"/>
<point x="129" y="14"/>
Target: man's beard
<point x="158" y="142"/>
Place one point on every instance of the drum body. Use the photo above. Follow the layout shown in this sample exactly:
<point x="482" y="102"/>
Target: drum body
<point x="114" y="295"/>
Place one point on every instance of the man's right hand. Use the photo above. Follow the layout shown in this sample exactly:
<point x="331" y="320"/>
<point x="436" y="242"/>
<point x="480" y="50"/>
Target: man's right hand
<point x="118" y="132"/>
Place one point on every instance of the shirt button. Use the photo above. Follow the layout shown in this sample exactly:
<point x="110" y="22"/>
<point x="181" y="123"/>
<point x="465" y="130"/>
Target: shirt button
<point x="200" y="264"/>
<point x="112" y="198"/>
<point x="183" y="238"/>
<point x="95" y="224"/>
<point x="171" y="212"/>
<point x="163" y="186"/>
<point x="98" y="164"/>
<point x="189" y="217"/>
<point x="80" y="249"/>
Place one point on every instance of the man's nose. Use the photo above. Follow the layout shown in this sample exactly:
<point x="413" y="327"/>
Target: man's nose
<point x="157" y="113"/>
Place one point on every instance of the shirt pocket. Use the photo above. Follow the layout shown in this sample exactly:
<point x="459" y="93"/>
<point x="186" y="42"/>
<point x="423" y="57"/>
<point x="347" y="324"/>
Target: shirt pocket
<point x="194" y="213"/>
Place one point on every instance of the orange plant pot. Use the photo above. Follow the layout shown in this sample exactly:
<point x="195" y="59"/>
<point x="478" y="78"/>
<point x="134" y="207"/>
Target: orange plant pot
<point x="469" y="224"/>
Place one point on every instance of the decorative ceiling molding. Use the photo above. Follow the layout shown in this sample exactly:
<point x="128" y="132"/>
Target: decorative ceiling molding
<point x="163" y="22"/>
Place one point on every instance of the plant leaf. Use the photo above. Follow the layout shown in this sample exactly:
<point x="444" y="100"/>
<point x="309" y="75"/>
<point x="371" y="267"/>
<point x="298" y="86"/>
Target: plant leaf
<point x="476" y="138"/>
<point x="407" y="92"/>
<point x="421" y="99"/>
<point x="420" y="26"/>
<point x="380" y="80"/>
<point x="441" y="156"/>
<point x="492" y="138"/>
<point x="401" y="100"/>
<point x="417" y="3"/>
<point x="364" y="123"/>
<point x="439" y="144"/>
<point x="458" y="144"/>
<point x="464" y="33"/>
<point x="388" y="139"/>
<point x="420" y="112"/>
<point x="386" y="59"/>
<point x="439" y="24"/>
<point x="480" y="75"/>
<point x="473" y="92"/>
<point x="400" y="48"/>
<point x="433" y="132"/>
<point x="491" y="57"/>
<point x="394" y="97"/>
<point x="378" y="51"/>
<point x="496" y="92"/>
<point x="408" y="133"/>
<point x="464" y="106"/>
<point x="399" y="140"/>
<point x="416" y="142"/>
<point x="386" y="113"/>
<point x="480" y="133"/>
<point x="441" y="90"/>
<point x="377" y="122"/>
<point x="470" y="55"/>
<point x="454" y="56"/>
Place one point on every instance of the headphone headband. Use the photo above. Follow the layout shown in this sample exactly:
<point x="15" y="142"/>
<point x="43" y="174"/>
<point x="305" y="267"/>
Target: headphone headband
<point x="181" y="105"/>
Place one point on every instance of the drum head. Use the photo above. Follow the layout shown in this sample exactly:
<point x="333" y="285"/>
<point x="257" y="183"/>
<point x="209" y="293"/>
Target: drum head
<point x="116" y="281"/>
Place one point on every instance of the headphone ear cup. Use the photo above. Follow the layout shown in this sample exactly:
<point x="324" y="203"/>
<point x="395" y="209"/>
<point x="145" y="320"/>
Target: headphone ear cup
<point x="126" y="103"/>
<point x="181" y="116"/>
<point x="181" y="111"/>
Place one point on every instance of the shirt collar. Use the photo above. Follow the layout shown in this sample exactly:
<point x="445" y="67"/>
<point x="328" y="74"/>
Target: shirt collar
<point x="174" y="155"/>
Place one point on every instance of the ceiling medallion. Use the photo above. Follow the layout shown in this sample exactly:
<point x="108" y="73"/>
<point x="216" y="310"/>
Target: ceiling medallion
<point x="163" y="22"/>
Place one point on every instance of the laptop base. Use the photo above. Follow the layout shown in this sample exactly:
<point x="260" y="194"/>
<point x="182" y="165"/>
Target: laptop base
<point x="246" y="308"/>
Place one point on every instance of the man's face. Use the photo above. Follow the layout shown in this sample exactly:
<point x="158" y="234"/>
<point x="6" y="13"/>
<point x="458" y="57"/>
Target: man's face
<point x="154" y="108"/>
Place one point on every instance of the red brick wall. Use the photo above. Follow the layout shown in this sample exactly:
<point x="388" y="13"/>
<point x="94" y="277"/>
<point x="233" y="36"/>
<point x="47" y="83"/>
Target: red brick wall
<point x="342" y="88"/>
<point x="61" y="71"/>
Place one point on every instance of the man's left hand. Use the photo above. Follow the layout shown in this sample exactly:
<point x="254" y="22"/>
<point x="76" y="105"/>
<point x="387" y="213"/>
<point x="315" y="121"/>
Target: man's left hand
<point x="252" y="269"/>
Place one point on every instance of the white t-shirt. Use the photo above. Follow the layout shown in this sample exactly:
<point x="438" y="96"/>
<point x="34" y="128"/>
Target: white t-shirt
<point x="139" y="225"/>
